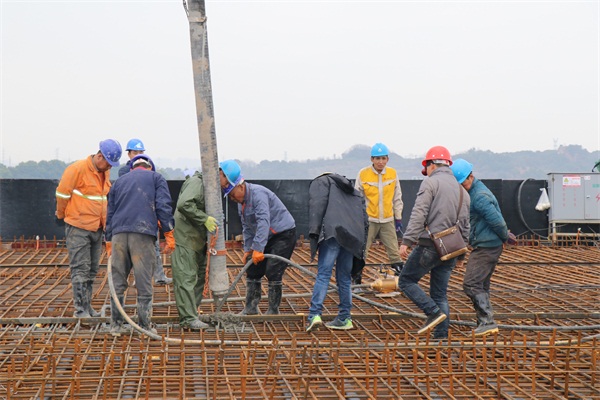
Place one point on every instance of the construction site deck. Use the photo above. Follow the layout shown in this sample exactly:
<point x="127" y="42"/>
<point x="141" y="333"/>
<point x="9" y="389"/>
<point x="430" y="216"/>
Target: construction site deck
<point x="545" y="296"/>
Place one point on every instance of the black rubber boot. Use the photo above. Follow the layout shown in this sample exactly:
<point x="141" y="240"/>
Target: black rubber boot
<point x="116" y="319"/>
<point x="252" y="297"/>
<point x="88" y="293"/>
<point x="485" y="315"/>
<point x="144" y="310"/>
<point x="80" y="300"/>
<point x="275" y="289"/>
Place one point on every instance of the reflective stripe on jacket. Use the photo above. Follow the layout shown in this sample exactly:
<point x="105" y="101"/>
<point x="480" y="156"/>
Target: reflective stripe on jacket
<point x="81" y="195"/>
<point x="382" y="192"/>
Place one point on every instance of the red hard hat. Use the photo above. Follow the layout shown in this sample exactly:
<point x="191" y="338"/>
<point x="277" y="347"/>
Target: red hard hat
<point x="437" y="153"/>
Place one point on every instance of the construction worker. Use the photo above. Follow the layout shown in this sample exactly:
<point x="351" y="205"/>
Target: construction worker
<point x="437" y="205"/>
<point x="339" y="236"/>
<point x="189" y="259"/>
<point x="267" y="227"/>
<point x="380" y="186"/>
<point x="81" y="200"/>
<point x="134" y="148"/>
<point x="487" y="235"/>
<point x="137" y="201"/>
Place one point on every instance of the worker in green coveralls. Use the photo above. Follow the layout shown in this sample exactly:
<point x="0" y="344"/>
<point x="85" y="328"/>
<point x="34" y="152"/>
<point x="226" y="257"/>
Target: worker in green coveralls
<point x="189" y="258"/>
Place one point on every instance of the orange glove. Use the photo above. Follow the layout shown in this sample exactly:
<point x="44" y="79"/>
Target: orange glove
<point x="257" y="257"/>
<point x="108" y="249"/>
<point x="170" y="240"/>
<point x="245" y="257"/>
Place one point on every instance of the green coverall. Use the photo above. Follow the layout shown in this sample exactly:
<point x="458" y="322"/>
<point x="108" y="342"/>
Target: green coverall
<point x="189" y="258"/>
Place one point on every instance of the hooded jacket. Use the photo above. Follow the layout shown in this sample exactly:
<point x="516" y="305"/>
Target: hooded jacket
<point x="488" y="228"/>
<point x="337" y="210"/>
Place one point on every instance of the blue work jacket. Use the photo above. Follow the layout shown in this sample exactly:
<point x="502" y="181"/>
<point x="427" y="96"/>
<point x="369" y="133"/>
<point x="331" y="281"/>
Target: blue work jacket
<point x="488" y="228"/>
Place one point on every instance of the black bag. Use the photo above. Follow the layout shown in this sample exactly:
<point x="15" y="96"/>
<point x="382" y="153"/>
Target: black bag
<point x="449" y="243"/>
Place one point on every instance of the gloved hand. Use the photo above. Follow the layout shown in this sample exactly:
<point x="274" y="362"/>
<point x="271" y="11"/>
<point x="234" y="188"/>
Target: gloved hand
<point x="211" y="224"/>
<point x="108" y="249"/>
<point x="257" y="257"/>
<point x="512" y="239"/>
<point x="399" y="227"/>
<point x="170" y="240"/>
<point x="245" y="257"/>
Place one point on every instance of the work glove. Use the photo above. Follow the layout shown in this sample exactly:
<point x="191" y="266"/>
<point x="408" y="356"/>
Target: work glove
<point x="257" y="257"/>
<point x="170" y="240"/>
<point x="108" y="249"/>
<point x="399" y="227"/>
<point x="245" y="257"/>
<point x="211" y="224"/>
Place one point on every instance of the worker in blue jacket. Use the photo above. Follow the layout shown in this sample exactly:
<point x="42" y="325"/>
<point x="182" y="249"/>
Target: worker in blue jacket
<point x="486" y="237"/>
<point x="267" y="227"/>
<point x="136" y="202"/>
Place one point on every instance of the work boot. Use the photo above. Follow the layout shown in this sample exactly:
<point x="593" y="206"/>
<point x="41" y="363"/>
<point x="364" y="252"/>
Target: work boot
<point x="164" y="281"/>
<point x="252" y="297"/>
<point x="432" y="321"/>
<point x="485" y="315"/>
<point x="144" y="310"/>
<point x="196" y="325"/>
<point x="274" y="297"/>
<point x="397" y="268"/>
<point x="80" y="300"/>
<point x="116" y="319"/>
<point x="88" y="293"/>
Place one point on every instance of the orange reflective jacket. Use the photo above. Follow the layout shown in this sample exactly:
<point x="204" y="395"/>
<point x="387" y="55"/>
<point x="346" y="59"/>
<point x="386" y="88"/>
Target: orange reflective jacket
<point x="81" y="195"/>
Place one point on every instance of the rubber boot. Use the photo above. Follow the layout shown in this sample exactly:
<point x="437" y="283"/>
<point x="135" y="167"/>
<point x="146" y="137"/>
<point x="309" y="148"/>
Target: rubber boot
<point x="144" y="310"/>
<point x="485" y="315"/>
<point x="80" y="300"/>
<point x="275" y="289"/>
<point x="88" y="292"/>
<point x="252" y="297"/>
<point x="116" y="319"/>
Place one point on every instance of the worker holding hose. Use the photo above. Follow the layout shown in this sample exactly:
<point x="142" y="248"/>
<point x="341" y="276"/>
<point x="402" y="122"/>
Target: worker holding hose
<point x="486" y="238"/>
<point x="136" y="203"/>
<point x="267" y="227"/>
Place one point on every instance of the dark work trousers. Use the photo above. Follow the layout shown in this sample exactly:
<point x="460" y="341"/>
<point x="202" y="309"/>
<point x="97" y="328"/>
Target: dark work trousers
<point x="137" y="251"/>
<point x="281" y="244"/>
<point x="479" y="269"/>
<point x="84" y="248"/>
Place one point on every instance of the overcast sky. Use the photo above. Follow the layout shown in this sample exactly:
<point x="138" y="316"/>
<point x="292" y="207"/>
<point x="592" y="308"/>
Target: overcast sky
<point x="299" y="79"/>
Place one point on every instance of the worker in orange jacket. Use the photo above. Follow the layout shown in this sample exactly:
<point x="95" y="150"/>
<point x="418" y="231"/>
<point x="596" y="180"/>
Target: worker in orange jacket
<point x="81" y="201"/>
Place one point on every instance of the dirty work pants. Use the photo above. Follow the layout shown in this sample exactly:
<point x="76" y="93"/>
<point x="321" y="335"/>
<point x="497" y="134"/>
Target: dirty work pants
<point x="479" y="269"/>
<point x="282" y="245"/>
<point x="425" y="260"/>
<point x="137" y="251"/>
<point x="387" y="235"/>
<point x="189" y="273"/>
<point x="331" y="252"/>
<point x="84" y="248"/>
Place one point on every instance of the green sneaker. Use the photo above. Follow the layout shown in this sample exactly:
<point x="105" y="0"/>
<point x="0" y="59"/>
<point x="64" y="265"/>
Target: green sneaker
<point x="340" y="324"/>
<point x="314" y="323"/>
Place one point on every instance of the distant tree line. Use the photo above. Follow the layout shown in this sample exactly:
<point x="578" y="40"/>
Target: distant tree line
<point x="487" y="165"/>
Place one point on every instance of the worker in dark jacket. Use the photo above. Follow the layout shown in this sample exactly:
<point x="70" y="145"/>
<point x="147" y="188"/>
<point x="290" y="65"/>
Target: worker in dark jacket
<point x="136" y="202"/>
<point x="437" y="205"/>
<point x="267" y="227"/>
<point x="189" y="258"/>
<point x="134" y="148"/>
<point x="486" y="238"/>
<point x="337" y="227"/>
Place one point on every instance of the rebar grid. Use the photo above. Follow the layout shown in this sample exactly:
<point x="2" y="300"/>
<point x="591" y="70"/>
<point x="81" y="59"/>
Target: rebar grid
<point x="382" y="358"/>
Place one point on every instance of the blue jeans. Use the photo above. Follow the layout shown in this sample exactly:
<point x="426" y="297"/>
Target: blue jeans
<point x="423" y="260"/>
<point x="331" y="252"/>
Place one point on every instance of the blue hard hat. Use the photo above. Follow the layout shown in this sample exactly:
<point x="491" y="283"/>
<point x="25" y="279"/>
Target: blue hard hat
<point x="135" y="145"/>
<point x="233" y="173"/>
<point x="111" y="150"/>
<point x="461" y="169"/>
<point x="379" y="150"/>
<point x="143" y="157"/>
